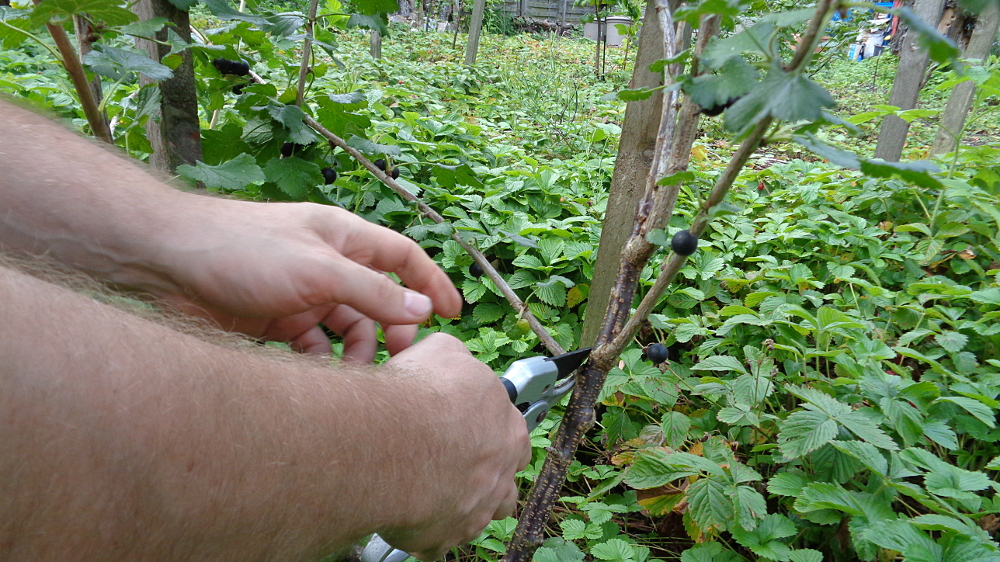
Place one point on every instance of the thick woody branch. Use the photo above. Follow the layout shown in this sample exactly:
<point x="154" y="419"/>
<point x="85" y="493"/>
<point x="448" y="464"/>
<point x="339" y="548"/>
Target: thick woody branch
<point x="547" y="340"/>
<point x="306" y="52"/>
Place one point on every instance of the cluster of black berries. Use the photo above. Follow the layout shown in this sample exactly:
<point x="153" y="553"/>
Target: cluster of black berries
<point x="234" y="67"/>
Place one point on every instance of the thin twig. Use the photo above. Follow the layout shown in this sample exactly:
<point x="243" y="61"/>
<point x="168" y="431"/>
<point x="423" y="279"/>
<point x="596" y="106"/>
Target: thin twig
<point x="523" y="311"/>
<point x="306" y="53"/>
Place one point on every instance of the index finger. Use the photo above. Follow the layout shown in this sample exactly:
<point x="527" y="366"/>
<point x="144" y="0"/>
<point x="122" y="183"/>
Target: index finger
<point x="387" y="250"/>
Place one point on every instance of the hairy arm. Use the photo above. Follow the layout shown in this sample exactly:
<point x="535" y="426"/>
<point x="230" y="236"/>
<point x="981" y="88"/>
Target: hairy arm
<point x="123" y="440"/>
<point x="268" y="270"/>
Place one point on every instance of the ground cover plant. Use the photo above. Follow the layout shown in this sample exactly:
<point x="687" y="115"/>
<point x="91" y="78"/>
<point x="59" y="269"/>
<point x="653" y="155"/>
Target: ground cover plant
<point x="820" y="382"/>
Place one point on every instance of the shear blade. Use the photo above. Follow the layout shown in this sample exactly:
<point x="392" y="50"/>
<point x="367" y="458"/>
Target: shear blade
<point x="569" y="362"/>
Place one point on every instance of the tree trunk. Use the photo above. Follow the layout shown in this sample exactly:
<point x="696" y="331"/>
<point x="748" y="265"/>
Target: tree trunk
<point x="906" y="86"/>
<point x="176" y="135"/>
<point x="635" y="153"/>
<point x="953" y="119"/>
<point x="475" y="29"/>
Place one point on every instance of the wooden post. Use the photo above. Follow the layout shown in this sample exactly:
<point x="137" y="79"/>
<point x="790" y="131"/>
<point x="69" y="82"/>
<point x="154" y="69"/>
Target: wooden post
<point x="953" y="119"/>
<point x="375" y="44"/>
<point x="475" y="29"/>
<point x="176" y="135"/>
<point x="906" y="86"/>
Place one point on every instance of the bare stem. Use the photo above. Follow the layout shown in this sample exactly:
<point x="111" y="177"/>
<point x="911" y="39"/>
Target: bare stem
<point x="71" y="62"/>
<point x="306" y="53"/>
<point x="547" y="340"/>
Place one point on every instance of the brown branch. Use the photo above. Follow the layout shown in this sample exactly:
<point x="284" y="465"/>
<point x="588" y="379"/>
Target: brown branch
<point x="306" y="53"/>
<point x="547" y="340"/>
<point x="654" y="211"/>
<point x="71" y="62"/>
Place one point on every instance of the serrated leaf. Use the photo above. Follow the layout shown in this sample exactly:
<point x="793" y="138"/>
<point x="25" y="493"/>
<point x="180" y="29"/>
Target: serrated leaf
<point x="806" y="555"/>
<point x="675" y="428"/>
<point x="291" y="117"/>
<point x="952" y="341"/>
<point x="114" y="63"/>
<point x="224" y="11"/>
<point x="805" y="431"/>
<point x="747" y="41"/>
<point x="725" y="363"/>
<point x="573" y="529"/>
<point x="710" y="552"/>
<point x="556" y="549"/>
<point x="372" y="148"/>
<point x="736" y="77"/>
<point x="145" y="28"/>
<point x="981" y="411"/>
<point x="787" y="483"/>
<point x="866" y="453"/>
<point x="614" y="550"/>
<point x="451" y="176"/>
<point x="710" y="503"/>
<point x="784" y="96"/>
<point x="293" y="175"/>
<point x="110" y="12"/>
<point x="488" y="312"/>
<point x="233" y="175"/>
<point x="284" y="24"/>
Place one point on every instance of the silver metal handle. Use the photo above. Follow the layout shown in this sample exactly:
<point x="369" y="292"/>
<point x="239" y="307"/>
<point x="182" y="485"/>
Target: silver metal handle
<point x="380" y="551"/>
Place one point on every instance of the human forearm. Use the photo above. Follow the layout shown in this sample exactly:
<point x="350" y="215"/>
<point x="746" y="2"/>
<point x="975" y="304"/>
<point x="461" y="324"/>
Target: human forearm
<point x="78" y="202"/>
<point x="123" y="440"/>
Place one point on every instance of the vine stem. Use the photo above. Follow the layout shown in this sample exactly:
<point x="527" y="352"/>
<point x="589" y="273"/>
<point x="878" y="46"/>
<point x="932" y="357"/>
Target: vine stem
<point x="71" y="62"/>
<point x="672" y="154"/>
<point x="306" y="52"/>
<point x="425" y="210"/>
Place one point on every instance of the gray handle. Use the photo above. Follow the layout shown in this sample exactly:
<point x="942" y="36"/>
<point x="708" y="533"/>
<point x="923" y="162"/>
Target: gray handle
<point x="380" y="551"/>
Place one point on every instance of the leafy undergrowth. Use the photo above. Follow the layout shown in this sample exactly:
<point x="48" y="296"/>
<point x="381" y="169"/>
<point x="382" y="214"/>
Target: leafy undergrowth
<point x="832" y="385"/>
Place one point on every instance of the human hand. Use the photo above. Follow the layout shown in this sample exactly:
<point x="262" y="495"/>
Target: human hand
<point x="279" y="270"/>
<point x="473" y="443"/>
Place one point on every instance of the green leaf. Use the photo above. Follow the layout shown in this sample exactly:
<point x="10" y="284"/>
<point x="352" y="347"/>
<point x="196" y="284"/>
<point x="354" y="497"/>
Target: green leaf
<point x="822" y="495"/>
<point x="675" y="428"/>
<point x="806" y="555"/>
<point x="451" y="176"/>
<point x="376" y="6"/>
<point x="488" y="312"/>
<point x="18" y="20"/>
<point x="725" y="363"/>
<point x="284" y="24"/>
<point x="787" y="483"/>
<point x="735" y="78"/>
<point x="183" y="5"/>
<point x="952" y="341"/>
<point x="763" y="540"/>
<point x="917" y="172"/>
<point x="145" y="28"/>
<point x="233" y="175"/>
<point x="805" y="431"/>
<point x="371" y="148"/>
<point x="656" y="467"/>
<point x="614" y="550"/>
<point x="573" y="529"/>
<point x="556" y="549"/>
<point x="710" y="552"/>
<point x="368" y="22"/>
<point x="784" y="96"/>
<point x="981" y="411"/>
<point x="710" y="503"/>
<point x="224" y="11"/>
<point x="115" y="63"/>
<point x="291" y="117"/>
<point x="293" y="175"/>
<point x="719" y="51"/>
<point x="866" y="453"/>
<point x="110" y="12"/>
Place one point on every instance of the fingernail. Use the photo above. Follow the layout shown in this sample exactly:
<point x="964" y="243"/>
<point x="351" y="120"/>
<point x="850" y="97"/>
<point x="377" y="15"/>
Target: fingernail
<point x="417" y="304"/>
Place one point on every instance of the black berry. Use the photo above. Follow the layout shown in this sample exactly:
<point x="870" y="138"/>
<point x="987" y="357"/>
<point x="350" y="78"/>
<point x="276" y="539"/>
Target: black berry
<point x="329" y="175"/>
<point x="380" y="164"/>
<point x="476" y="270"/>
<point x="287" y="149"/>
<point x="714" y="110"/>
<point x="238" y="89"/>
<point x="657" y="353"/>
<point x="395" y="173"/>
<point x="684" y="243"/>
<point x="234" y="67"/>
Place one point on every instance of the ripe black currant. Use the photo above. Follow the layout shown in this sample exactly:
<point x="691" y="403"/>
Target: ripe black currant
<point x="329" y="175"/>
<point x="380" y="164"/>
<point x="657" y="353"/>
<point x="684" y="243"/>
<point x="476" y="270"/>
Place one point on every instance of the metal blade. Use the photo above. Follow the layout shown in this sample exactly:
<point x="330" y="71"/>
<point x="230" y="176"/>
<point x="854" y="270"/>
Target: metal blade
<point x="569" y="362"/>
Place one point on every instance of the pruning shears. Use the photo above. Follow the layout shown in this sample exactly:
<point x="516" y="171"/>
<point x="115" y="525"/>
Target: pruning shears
<point x="533" y="385"/>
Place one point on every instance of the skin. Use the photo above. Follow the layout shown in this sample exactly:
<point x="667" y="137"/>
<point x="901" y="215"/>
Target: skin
<point x="124" y="440"/>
